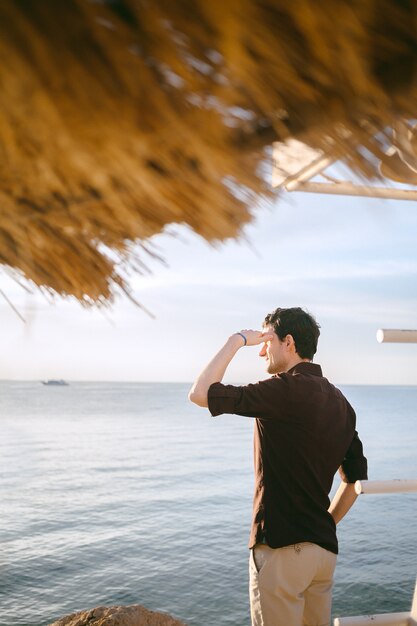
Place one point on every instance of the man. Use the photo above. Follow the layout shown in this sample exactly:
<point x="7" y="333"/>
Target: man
<point x="304" y="432"/>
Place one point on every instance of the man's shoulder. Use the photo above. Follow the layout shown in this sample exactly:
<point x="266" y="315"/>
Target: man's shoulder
<point x="275" y="381"/>
<point x="317" y="382"/>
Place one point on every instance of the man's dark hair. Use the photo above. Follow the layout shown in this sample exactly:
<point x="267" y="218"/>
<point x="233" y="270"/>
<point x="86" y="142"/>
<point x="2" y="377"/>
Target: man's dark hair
<point x="298" y="323"/>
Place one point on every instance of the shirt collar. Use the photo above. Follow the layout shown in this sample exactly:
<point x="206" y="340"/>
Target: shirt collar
<point x="306" y="367"/>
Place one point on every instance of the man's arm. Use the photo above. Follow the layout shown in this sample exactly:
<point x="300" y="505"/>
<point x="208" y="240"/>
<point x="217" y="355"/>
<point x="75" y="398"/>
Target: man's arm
<point x="215" y="370"/>
<point x="354" y="467"/>
<point x="342" y="501"/>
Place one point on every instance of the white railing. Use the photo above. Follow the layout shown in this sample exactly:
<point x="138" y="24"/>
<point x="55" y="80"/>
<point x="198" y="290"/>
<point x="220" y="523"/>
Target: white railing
<point x="396" y="335"/>
<point x="389" y="619"/>
<point x="384" y="619"/>
<point x="396" y="485"/>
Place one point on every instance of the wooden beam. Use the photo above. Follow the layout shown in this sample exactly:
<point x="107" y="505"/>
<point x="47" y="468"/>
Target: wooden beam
<point x="348" y="189"/>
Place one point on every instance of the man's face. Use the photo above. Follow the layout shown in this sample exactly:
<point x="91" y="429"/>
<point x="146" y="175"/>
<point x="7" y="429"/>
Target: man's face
<point x="275" y="353"/>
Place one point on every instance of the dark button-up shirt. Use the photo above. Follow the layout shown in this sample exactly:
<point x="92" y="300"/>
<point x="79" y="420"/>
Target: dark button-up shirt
<point x="304" y="432"/>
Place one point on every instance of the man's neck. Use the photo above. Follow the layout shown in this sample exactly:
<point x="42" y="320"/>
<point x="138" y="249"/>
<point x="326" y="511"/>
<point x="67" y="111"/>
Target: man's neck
<point x="295" y="361"/>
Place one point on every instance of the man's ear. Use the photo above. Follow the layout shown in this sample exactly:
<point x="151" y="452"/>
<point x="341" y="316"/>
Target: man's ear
<point x="289" y="341"/>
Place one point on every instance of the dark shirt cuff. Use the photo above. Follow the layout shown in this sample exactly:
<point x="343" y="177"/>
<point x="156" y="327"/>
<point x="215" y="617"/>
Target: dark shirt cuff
<point x="352" y="470"/>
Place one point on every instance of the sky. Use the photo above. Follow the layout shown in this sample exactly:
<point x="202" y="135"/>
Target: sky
<point x="351" y="262"/>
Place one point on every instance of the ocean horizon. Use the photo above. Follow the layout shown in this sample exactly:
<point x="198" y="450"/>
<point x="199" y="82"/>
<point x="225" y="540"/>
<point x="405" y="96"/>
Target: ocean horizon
<point x="126" y="493"/>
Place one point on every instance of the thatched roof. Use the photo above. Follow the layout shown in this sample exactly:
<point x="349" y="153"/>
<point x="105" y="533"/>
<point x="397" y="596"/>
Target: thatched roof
<point x="121" y="116"/>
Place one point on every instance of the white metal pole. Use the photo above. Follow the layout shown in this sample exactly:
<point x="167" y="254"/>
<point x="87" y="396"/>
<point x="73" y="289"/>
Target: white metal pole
<point x="397" y="485"/>
<point x="396" y="335"/>
<point x="385" y="619"/>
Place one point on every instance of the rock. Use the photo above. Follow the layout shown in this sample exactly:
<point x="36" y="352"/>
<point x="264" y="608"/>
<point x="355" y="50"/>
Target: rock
<point x="133" y="615"/>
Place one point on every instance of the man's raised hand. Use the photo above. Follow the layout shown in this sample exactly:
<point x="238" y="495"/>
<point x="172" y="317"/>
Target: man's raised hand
<point x="255" y="337"/>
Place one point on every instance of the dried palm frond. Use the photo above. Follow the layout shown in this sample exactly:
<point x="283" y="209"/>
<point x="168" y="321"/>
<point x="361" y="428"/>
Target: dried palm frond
<point x="118" y="117"/>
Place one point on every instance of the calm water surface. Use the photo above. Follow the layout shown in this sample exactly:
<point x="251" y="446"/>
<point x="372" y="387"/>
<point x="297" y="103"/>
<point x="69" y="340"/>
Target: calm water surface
<point x="126" y="493"/>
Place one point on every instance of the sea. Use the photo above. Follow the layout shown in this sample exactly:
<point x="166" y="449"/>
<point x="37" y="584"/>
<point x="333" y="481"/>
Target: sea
<point x="126" y="493"/>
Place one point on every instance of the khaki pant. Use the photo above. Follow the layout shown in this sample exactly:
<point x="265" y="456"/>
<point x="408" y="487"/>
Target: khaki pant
<point x="291" y="586"/>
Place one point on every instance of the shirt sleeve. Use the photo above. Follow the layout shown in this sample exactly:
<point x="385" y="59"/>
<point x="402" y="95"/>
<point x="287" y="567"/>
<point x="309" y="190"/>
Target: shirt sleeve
<point x="263" y="399"/>
<point x="355" y="464"/>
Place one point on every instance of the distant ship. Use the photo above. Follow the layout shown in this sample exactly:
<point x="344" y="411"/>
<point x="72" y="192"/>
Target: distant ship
<point x="55" y="383"/>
